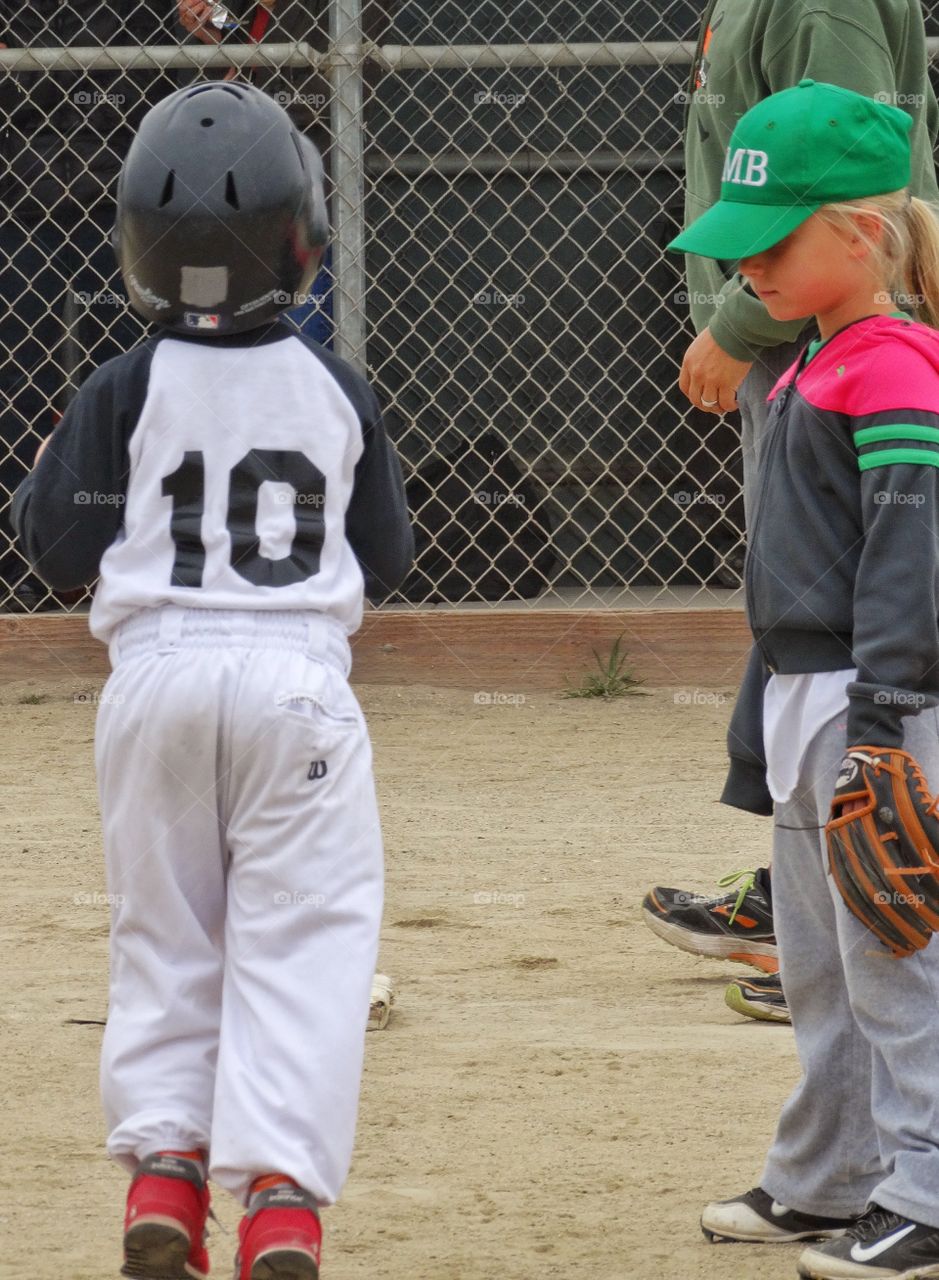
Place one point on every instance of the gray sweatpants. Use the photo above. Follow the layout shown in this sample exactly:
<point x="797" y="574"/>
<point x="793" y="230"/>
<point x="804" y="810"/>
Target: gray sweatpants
<point x="863" y="1122"/>
<point x="767" y="369"/>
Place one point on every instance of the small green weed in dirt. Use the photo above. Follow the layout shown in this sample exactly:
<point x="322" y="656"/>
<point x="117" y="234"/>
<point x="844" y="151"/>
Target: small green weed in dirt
<point x="611" y="680"/>
<point x="32" y="699"/>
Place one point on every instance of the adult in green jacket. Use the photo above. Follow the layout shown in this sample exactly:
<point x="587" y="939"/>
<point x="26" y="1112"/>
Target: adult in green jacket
<point x="747" y="50"/>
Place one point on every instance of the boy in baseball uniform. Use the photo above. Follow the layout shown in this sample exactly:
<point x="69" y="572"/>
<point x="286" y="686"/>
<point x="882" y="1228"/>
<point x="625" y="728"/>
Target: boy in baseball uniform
<point x="232" y="486"/>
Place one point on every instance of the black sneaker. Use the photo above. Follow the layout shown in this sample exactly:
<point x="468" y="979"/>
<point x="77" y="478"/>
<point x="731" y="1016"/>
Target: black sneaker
<point x="760" y="998"/>
<point x="881" y="1244"/>
<point x="757" y="1218"/>
<point x="737" y="926"/>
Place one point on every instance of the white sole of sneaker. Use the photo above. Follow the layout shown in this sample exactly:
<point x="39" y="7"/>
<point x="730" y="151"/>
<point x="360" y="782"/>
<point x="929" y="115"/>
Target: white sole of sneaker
<point x="815" y="1266"/>
<point x="738" y="1224"/>
<point x="718" y="948"/>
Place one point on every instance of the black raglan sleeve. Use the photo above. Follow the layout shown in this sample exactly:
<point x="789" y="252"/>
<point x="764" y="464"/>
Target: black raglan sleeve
<point x="378" y="525"/>
<point x="69" y="509"/>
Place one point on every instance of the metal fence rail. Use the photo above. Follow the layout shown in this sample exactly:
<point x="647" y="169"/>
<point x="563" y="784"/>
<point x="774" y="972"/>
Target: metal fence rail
<point x="502" y="184"/>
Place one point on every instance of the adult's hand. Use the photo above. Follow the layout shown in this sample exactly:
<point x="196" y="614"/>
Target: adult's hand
<point x="710" y="377"/>
<point x="196" y="17"/>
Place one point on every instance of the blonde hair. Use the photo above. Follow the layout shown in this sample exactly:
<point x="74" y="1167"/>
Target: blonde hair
<point x="907" y="252"/>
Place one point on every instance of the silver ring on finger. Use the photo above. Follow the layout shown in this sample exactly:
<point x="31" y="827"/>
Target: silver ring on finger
<point x="709" y="404"/>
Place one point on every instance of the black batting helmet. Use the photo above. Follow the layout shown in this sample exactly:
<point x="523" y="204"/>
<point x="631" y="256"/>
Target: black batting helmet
<point x="221" y="212"/>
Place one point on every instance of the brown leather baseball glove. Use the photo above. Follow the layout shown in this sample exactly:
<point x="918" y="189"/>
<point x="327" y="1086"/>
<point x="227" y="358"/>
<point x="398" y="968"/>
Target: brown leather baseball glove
<point x="884" y="852"/>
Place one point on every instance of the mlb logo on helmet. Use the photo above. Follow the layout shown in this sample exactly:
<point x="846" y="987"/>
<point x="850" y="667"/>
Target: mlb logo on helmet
<point x="196" y="320"/>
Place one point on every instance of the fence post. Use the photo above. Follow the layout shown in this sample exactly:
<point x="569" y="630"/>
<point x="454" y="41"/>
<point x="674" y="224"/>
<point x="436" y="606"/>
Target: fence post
<point x="348" y="174"/>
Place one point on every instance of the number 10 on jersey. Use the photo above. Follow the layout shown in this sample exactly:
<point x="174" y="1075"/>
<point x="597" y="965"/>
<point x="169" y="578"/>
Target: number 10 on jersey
<point x="186" y="486"/>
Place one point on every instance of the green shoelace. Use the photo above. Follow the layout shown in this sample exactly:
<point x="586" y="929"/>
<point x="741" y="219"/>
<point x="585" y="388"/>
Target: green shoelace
<point x="749" y="880"/>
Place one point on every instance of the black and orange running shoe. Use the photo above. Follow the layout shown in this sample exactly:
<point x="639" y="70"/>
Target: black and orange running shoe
<point x="761" y="998"/>
<point x="736" y="926"/>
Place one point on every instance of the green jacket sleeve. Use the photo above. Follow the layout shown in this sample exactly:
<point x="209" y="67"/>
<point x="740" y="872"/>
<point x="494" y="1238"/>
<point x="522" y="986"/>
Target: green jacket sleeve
<point x="807" y="41"/>
<point x="816" y="42"/>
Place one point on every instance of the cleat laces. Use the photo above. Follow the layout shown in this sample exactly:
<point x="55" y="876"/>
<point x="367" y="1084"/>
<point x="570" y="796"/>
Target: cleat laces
<point x="876" y="1223"/>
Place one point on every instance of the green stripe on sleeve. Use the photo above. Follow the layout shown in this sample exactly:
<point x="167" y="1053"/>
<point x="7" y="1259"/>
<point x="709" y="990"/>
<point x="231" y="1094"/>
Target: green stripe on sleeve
<point x="884" y="457"/>
<point x="898" y="431"/>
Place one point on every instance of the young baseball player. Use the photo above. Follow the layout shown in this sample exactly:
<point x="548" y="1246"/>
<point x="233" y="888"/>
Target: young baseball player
<point x="232" y="485"/>
<point x="842" y="593"/>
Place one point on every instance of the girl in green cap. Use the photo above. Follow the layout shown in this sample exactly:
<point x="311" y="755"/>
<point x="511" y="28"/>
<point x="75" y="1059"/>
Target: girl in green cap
<point x="842" y="583"/>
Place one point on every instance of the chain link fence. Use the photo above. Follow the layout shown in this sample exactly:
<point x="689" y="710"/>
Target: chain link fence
<point x="503" y="180"/>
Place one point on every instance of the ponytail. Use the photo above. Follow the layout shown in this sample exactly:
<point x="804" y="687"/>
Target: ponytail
<point x="908" y="251"/>
<point x="923" y="261"/>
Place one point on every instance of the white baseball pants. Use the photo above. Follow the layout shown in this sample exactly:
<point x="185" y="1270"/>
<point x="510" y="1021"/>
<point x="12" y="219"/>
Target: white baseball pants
<point x="244" y="857"/>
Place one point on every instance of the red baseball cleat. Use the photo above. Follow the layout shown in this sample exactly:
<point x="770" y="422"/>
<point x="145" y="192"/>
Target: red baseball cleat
<point x="164" y="1226"/>
<point x="280" y="1236"/>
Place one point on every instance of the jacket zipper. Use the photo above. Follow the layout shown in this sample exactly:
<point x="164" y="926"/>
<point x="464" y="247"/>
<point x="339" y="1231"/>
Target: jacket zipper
<point x="771" y="446"/>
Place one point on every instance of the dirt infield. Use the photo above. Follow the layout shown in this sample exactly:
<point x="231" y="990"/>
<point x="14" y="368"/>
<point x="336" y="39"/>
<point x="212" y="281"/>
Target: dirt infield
<point x="557" y="1093"/>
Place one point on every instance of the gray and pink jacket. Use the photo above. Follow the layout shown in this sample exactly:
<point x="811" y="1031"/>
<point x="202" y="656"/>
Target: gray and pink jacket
<point x="842" y="566"/>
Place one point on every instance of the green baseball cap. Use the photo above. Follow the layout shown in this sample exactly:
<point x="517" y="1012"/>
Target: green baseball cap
<point x="791" y="154"/>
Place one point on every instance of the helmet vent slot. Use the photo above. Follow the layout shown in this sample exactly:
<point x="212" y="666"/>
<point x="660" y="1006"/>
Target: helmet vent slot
<point x="166" y="194"/>
<point x="207" y="122"/>
<point x="231" y="194"/>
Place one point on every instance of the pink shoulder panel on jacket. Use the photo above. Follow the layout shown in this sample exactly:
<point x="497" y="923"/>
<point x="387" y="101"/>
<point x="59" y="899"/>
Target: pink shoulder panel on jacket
<point x="876" y="366"/>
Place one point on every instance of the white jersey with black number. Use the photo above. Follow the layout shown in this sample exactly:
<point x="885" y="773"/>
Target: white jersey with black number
<point x="250" y="472"/>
